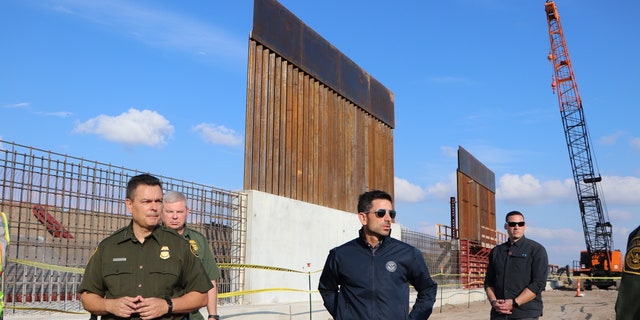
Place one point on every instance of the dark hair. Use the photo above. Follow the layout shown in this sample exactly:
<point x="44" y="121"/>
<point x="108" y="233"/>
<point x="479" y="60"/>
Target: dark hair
<point x="513" y="213"/>
<point x="145" y="179"/>
<point x="365" y="199"/>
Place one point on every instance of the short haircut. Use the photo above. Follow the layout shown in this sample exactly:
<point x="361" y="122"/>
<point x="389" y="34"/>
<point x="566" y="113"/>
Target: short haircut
<point x="136" y="181"/>
<point x="513" y="213"/>
<point x="365" y="200"/>
<point x="173" y="197"/>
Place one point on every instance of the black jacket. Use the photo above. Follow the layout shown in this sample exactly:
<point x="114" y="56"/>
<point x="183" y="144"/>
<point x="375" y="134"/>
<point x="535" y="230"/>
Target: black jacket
<point x="514" y="267"/>
<point x="359" y="283"/>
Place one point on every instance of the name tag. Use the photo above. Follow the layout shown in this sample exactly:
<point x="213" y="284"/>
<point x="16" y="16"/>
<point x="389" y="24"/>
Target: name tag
<point x="119" y="259"/>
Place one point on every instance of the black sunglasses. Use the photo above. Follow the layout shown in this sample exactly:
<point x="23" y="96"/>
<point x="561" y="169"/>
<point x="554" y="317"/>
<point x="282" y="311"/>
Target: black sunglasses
<point x="513" y="224"/>
<point x="381" y="212"/>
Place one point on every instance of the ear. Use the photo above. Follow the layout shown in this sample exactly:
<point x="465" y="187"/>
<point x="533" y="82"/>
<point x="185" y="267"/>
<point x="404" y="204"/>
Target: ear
<point x="363" y="218"/>
<point x="129" y="204"/>
<point x="506" y="226"/>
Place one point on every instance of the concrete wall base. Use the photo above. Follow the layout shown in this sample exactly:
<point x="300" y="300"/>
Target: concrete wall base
<point x="300" y="310"/>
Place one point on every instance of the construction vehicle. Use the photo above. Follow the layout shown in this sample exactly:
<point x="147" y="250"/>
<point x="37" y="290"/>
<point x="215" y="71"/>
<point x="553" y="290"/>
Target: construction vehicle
<point x="559" y="277"/>
<point x="599" y="263"/>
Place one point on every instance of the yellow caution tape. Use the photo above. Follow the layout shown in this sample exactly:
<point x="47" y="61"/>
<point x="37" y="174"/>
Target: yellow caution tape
<point x="47" y="266"/>
<point x="246" y="292"/>
<point x="45" y="309"/>
<point x="255" y="266"/>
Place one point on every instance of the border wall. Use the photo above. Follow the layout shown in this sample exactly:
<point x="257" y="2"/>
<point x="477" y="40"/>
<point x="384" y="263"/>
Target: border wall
<point x="315" y="120"/>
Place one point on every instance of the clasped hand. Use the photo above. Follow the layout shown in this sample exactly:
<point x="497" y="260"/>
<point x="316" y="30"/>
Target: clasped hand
<point x="147" y="308"/>
<point x="503" y="306"/>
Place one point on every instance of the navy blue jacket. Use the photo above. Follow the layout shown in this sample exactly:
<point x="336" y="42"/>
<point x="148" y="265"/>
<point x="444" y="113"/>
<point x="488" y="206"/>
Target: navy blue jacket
<point x="359" y="284"/>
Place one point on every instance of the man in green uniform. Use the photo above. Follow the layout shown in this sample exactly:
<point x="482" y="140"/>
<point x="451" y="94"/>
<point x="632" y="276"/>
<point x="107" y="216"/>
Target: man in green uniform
<point x="174" y="216"/>
<point x="4" y="245"/>
<point x="144" y="271"/>
<point x="627" y="306"/>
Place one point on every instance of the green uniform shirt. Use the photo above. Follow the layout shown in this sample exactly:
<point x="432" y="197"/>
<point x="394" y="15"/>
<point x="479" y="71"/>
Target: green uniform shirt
<point x="627" y="306"/>
<point x="162" y="265"/>
<point x="200" y="247"/>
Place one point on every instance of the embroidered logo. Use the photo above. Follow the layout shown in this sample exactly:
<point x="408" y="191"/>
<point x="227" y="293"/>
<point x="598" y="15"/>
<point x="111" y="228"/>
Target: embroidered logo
<point x="164" y="253"/>
<point x="391" y="266"/>
<point x="632" y="259"/>
<point x="194" y="247"/>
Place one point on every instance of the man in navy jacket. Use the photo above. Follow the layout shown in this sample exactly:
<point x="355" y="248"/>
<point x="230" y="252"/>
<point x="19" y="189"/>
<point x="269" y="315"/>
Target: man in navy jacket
<point x="369" y="277"/>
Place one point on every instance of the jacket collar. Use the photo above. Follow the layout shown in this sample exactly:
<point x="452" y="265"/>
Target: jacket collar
<point x="364" y="242"/>
<point x="128" y="234"/>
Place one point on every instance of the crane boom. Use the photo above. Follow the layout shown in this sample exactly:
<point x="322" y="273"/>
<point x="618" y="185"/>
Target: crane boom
<point x="595" y="223"/>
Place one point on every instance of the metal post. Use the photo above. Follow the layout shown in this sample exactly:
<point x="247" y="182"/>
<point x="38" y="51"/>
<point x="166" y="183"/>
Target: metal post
<point x="310" y="306"/>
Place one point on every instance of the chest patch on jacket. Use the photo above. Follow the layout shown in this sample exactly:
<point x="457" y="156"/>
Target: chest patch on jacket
<point x="391" y="266"/>
<point x="164" y="253"/>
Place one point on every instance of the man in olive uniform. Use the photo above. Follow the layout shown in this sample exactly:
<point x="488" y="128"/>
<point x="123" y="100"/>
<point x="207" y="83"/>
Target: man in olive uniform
<point x="627" y="306"/>
<point x="144" y="271"/>
<point x="174" y="216"/>
<point x="4" y="245"/>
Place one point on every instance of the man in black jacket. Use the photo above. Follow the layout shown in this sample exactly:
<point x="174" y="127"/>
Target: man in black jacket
<point x="516" y="274"/>
<point x="369" y="277"/>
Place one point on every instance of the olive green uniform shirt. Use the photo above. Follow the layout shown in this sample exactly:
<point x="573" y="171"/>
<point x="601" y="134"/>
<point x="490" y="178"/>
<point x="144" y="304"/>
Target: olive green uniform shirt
<point x="161" y="266"/>
<point x="200" y="247"/>
<point x="627" y="305"/>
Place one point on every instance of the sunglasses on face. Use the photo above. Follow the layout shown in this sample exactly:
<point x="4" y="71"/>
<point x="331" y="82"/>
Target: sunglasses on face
<point x="380" y="213"/>
<point x="513" y="224"/>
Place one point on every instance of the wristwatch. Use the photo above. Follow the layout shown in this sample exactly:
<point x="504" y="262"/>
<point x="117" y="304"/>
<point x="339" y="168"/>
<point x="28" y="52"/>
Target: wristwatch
<point x="214" y="316"/>
<point x="515" y="304"/>
<point x="169" y="303"/>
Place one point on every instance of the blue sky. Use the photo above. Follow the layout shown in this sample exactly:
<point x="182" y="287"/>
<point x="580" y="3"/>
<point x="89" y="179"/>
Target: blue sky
<point x="159" y="86"/>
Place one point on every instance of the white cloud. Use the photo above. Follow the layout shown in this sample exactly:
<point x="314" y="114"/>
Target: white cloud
<point x="563" y="245"/>
<point x="449" y="152"/>
<point x="443" y="190"/>
<point x="427" y="228"/>
<point x="18" y="105"/>
<point x="621" y="190"/>
<point x="217" y="134"/>
<point x="161" y="28"/>
<point x="405" y="191"/>
<point x="635" y="144"/>
<point x="58" y="114"/>
<point x="611" y="139"/>
<point x="134" y="127"/>
<point x="526" y="189"/>
<point x="620" y="214"/>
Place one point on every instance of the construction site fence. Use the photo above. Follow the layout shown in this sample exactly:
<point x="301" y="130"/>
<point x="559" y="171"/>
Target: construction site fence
<point x="59" y="208"/>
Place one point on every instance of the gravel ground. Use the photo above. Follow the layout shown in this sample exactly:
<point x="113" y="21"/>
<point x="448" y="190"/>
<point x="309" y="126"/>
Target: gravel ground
<point x="558" y="304"/>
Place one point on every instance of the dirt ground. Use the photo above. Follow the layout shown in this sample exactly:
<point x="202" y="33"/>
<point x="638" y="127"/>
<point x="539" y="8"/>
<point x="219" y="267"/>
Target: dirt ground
<point x="558" y="304"/>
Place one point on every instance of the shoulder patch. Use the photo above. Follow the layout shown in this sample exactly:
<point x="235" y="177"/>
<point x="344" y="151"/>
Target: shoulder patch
<point x="193" y="245"/>
<point x="632" y="258"/>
